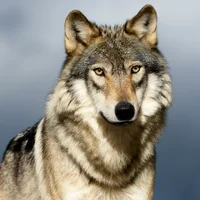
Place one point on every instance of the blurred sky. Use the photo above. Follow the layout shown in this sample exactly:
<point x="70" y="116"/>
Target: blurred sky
<point x="32" y="52"/>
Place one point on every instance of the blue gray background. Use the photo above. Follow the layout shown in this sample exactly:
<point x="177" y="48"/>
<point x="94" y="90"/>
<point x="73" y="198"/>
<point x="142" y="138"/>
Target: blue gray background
<point x="32" y="52"/>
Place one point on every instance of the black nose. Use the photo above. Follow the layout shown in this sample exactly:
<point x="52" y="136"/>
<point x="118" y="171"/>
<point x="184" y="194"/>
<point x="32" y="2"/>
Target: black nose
<point x="124" y="111"/>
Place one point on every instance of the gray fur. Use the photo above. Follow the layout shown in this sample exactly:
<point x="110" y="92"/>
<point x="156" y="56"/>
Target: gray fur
<point x="77" y="152"/>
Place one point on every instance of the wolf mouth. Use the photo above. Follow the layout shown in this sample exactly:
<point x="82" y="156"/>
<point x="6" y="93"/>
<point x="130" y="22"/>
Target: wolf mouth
<point x="124" y="123"/>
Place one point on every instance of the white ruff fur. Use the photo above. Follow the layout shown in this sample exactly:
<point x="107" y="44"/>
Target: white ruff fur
<point x="39" y="166"/>
<point x="153" y="100"/>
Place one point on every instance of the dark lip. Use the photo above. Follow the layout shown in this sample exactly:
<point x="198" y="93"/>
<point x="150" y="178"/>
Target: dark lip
<point x="125" y="123"/>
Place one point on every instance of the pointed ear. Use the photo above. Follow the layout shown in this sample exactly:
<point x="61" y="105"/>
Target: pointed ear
<point x="79" y="32"/>
<point x="144" y="26"/>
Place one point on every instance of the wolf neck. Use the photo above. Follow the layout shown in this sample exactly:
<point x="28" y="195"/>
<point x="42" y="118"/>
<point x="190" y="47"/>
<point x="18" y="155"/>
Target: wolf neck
<point x="107" y="154"/>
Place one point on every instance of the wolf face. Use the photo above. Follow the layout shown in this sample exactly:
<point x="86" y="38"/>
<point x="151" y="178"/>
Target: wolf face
<point x="118" y="71"/>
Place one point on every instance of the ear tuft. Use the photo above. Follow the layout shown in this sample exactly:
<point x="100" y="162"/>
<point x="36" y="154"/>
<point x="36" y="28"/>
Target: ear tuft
<point x="79" y="32"/>
<point x="144" y="26"/>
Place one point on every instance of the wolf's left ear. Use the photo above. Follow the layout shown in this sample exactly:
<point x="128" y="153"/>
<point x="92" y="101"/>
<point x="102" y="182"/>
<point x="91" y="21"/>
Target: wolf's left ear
<point x="144" y="25"/>
<point x="79" y="32"/>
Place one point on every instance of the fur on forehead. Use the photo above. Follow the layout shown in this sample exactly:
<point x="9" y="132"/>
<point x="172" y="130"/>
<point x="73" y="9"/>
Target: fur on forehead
<point x="112" y="32"/>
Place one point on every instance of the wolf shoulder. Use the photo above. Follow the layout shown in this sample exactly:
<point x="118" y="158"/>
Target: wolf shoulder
<point x="22" y="143"/>
<point x="17" y="169"/>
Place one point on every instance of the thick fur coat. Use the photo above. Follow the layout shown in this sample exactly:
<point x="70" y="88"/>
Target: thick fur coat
<point x="102" y="121"/>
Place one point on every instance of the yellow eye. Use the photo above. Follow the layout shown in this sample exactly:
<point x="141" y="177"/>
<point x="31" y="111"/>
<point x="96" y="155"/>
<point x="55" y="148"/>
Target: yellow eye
<point x="99" y="71"/>
<point x="135" y="69"/>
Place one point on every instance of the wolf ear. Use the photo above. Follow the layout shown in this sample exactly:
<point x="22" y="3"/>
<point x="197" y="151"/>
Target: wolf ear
<point x="144" y="25"/>
<point x="79" y="32"/>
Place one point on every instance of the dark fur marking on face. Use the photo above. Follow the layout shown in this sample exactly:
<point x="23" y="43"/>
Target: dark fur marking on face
<point x="141" y="82"/>
<point x="149" y="60"/>
<point x="79" y="71"/>
<point x="97" y="87"/>
<point x="164" y="96"/>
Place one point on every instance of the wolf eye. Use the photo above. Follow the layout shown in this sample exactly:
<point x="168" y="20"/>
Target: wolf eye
<point x="99" y="71"/>
<point x="135" y="69"/>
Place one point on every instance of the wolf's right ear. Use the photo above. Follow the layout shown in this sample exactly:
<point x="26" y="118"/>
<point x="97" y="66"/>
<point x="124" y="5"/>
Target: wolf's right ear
<point x="79" y="32"/>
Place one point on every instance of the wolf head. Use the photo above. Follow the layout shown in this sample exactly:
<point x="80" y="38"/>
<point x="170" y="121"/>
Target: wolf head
<point x="116" y="73"/>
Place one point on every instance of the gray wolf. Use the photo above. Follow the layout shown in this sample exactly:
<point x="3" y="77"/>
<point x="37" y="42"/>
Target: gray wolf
<point x="102" y="121"/>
